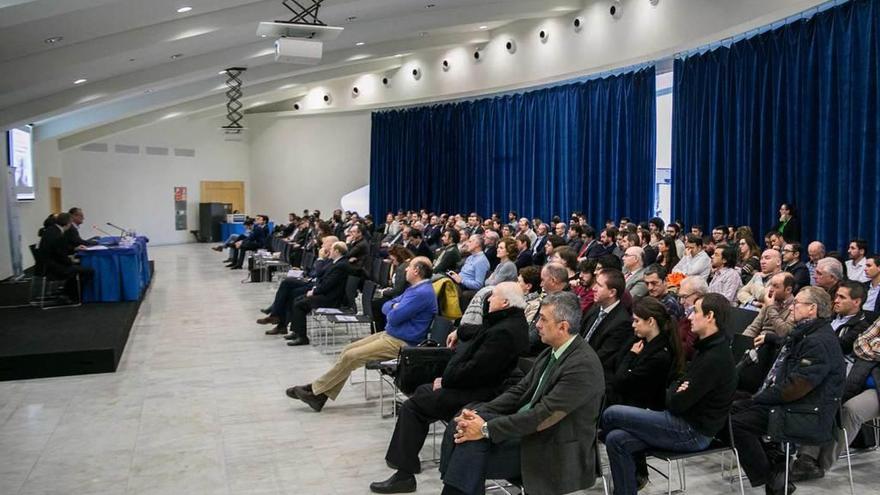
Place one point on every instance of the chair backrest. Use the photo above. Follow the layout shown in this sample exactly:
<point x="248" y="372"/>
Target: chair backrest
<point x="384" y="276"/>
<point x="740" y="344"/>
<point x="739" y="320"/>
<point x="440" y="329"/>
<point x="308" y="260"/>
<point x="38" y="261"/>
<point x="351" y="288"/>
<point x="367" y="297"/>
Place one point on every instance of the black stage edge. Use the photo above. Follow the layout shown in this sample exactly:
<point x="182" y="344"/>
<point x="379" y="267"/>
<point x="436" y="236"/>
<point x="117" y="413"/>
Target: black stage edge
<point x="36" y="343"/>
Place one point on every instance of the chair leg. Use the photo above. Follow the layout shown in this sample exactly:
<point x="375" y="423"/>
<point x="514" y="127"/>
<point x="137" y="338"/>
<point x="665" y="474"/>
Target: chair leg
<point x="852" y="489"/>
<point x="742" y="488"/>
<point x="787" y="448"/>
<point x="668" y="477"/>
<point x="605" y="484"/>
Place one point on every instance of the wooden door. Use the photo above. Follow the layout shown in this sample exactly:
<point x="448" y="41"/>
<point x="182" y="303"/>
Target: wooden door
<point x="231" y="192"/>
<point x="55" y="194"/>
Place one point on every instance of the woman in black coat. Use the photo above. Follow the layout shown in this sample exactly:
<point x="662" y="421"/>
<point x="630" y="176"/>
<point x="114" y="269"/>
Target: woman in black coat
<point x="651" y="363"/>
<point x="789" y="224"/>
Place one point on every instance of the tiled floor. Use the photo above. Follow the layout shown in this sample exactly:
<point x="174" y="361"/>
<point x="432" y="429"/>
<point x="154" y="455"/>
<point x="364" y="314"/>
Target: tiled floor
<point x="198" y="406"/>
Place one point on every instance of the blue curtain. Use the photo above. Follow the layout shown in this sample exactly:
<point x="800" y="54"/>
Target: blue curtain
<point x="788" y="115"/>
<point x="544" y="152"/>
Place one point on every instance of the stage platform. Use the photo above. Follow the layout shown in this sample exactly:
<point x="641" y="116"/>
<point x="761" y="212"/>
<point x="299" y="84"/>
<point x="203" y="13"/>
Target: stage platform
<point x="36" y="343"/>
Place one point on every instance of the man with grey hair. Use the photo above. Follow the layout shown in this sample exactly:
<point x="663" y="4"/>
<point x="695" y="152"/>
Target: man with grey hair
<point x="815" y="252"/>
<point x="475" y="373"/>
<point x="476" y="266"/>
<point x="634" y="271"/>
<point x="518" y="435"/>
<point x="829" y="273"/>
<point x="807" y="375"/>
<point x="554" y="278"/>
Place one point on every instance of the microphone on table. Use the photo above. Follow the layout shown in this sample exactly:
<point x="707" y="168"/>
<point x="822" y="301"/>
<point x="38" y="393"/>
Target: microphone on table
<point x="95" y="228"/>
<point x="117" y="227"/>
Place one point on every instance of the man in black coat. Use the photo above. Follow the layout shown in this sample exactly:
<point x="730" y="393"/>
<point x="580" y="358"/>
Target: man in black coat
<point x="418" y="246"/>
<point x="358" y="248"/>
<point x="483" y="359"/>
<point x="72" y="234"/>
<point x="258" y="238"/>
<point x="872" y="287"/>
<point x="791" y="263"/>
<point x="328" y="293"/>
<point x="803" y="389"/>
<point x="607" y="325"/>
<point x="54" y="257"/>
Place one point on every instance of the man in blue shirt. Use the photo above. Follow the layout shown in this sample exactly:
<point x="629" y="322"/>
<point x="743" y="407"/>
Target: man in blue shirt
<point x="476" y="266"/>
<point x="409" y="319"/>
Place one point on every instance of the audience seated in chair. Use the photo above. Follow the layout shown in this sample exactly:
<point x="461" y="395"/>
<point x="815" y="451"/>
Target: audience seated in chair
<point x="473" y="274"/>
<point x="829" y="273"/>
<point x="791" y="263"/>
<point x="409" y="317"/>
<point x="802" y="388"/>
<point x="634" y="271"/>
<point x="476" y="373"/>
<point x="292" y="288"/>
<point x="775" y="315"/>
<point x="541" y="430"/>
<point x="696" y="262"/>
<point x="553" y="280"/>
<point x="400" y="258"/>
<point x="697" y="403"/>
<point x="607" y="326"/>
<point x="447" y="256"/>
<point x="328" y="292"/>
<point x="752" y="295"/>
<point x="358" y="248"/>
<point x="872" y="286"/>
<point x="724" y="279"/>
<point x="255" y="238"/>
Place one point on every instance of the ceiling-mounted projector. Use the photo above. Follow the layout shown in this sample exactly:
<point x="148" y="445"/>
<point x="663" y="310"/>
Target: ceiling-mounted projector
<point x="299" y="40"/>
<point x="298" y="51"/>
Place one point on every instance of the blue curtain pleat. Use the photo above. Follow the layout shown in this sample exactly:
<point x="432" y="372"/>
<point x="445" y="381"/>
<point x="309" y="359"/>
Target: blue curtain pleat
<point x="587" y="146"/>
<point x="790" y="115"/>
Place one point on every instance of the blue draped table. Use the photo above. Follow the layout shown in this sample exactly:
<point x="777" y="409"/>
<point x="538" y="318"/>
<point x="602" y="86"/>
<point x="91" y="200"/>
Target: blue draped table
<point x="121" y="273"/>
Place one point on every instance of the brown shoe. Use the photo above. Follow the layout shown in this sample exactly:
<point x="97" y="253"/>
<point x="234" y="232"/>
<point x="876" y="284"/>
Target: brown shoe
<point x="276" y="330"/>
<point x="269" y="320"/>
<point x="219" y="249"/>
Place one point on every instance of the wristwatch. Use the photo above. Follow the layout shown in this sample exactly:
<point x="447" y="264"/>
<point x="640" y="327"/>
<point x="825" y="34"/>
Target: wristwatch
<point x="485" y="430"/>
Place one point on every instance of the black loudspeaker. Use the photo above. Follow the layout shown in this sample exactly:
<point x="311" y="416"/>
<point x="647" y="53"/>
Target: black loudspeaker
<point x="210" y="217"/>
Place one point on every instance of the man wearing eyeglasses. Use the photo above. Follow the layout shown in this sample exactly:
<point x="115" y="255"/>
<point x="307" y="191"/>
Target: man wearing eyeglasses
<point x="800" y="395"/>
<point x="791" y="263"/>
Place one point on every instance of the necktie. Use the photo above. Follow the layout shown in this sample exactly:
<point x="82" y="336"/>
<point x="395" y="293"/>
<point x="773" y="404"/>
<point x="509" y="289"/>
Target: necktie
<point x="599" y="318"/>
<point x="542" y="383"/>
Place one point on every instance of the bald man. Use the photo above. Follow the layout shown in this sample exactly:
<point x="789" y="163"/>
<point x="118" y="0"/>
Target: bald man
<point x="752" y="295"/>
<point x="634" y="271"/>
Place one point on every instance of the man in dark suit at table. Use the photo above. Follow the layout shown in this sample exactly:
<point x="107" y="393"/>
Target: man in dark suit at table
<point x="74" y="240"/>
<point x="607" y="324"/>
<point x="54" y="258"/>
<point x="543" y="429"/>
<point x="328" y="293"/>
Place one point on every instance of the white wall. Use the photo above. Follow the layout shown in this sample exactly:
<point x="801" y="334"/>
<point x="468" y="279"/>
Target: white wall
<point x="299" y="163"/>
<point x="137" y="191"/>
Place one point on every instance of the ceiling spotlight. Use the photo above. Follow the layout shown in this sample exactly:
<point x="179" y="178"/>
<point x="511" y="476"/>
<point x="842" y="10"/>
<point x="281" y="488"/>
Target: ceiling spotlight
<point x="327" y="98"/>
<point x="616" y="9"/>
<point x="484" y="27"/>
<point x="296" y="106"/>
<point x="478" y="53"/>
<point x="359" y="43"/>
<point x="80" y="81"/>
<point x="445" y="65"/>
<point x="654" y="2"/>
<point x="578" y="23"/>
<point x="184" y="9"/>
<point x="355" y="91"/>
<point x="510" y="46"/>
<point x="430" y="6"/>
<point x="53" y="40"/>
<point x="176" y="56"/>
<point x="543" y="35"/>
<point x="417" y="73"/>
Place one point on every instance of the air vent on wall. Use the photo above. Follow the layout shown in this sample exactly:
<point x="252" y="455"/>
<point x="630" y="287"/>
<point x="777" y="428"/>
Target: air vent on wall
<point x="187" y="152"/>
<point x="156" y="150"/>
<point x="127" y="148"/>
<point x="99" y="147"/>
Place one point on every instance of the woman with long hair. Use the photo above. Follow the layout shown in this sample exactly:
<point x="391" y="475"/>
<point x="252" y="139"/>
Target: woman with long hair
<point x="667" y="253"/>
<point x="654" y="360"/>
<point x="749" y="258"/>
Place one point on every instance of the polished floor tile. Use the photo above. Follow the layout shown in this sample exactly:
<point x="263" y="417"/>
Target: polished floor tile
<point x="197" y="406"/>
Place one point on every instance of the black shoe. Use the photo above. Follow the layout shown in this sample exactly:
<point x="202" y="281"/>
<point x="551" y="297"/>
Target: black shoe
<point x="776" y="486"/>
<point x="398" y="483"/>
<point x="298" y="341"/>
<point x="235" y="267"/>
<point x="266" y="311"/>
<point x="276" y="330"/>
<point x="291" y="336"/>
<point x="641" y="481"/>
<point x="392" y="466"/>
<point x="804" y="469"/>
<point x="219" y="249"/>
<point x="304" y="394"/>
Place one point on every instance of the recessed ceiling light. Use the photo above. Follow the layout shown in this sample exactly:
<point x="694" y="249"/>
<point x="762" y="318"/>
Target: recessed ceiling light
<point x="359" y="43"/>
<point x="264" y="35"/>
<point x="176" y="56"/>
<point x="222" y="72"/>
<point x="53" y="40"/>
<point x="423" y="34"/>
<point x="80" y="81"/>
<point x="484" y="27"/>
<point x="184" y="9"/>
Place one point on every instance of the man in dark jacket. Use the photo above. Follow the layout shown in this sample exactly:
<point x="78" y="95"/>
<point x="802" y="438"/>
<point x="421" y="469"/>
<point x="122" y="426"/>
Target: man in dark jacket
<point x="447" y="256"/>
<point x="807" y="376"/>
<point x="697" y="403"/>
<point x="258" y="238"/>
<point x="482" y="361"/>
<point x="607" y="325"/>
<point x="358" y="248"/>
<point x="791" y="263"/>
<point x="328" y="293"/>
<point x="543" y="429"/>
<point x="54" y="258"/>
<point x="74" y="240"/>
<point x="848" y="319"/>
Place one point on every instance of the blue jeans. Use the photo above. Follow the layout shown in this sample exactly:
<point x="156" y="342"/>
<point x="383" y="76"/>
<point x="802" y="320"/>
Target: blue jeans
<point x="629" y="431"/>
